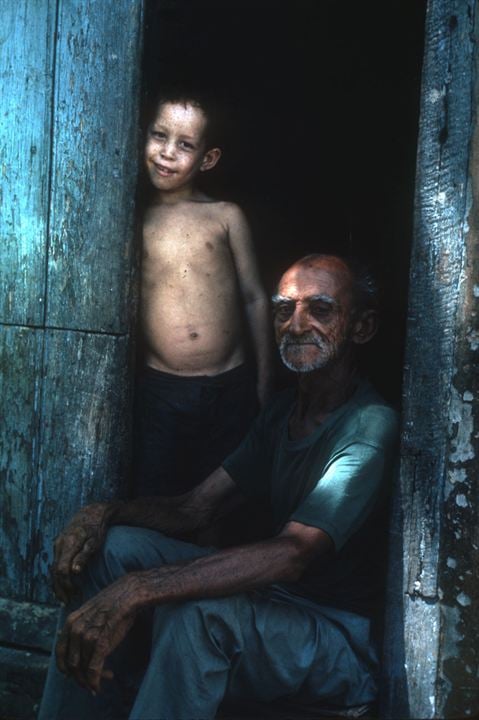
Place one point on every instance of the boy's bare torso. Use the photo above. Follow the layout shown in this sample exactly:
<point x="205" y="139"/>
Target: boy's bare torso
<point x="191" y="313"/>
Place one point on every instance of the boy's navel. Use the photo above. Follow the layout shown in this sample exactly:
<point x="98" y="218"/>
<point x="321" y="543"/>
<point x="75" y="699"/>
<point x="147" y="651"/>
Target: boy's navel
<point x="193" y="335"/>
<point x="209" y="245"/>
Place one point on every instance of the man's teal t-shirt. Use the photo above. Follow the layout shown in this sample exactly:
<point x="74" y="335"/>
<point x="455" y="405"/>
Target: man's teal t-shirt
<point x="337" y="479"/>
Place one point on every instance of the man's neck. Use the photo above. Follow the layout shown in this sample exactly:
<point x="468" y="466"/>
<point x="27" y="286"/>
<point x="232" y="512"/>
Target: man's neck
<point x="320" y="392"/>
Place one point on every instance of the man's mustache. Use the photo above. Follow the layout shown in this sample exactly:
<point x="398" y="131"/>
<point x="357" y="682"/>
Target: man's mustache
<point x="308" y="339"/>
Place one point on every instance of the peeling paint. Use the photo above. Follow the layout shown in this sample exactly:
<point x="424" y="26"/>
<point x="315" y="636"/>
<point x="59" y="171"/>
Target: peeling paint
<point x="451" y="563"/>
<point x="473" y="339"/>
<point x="463" y="423"/>
<point x="454" y="476"/>
<point x="463" y="599"/>
<point x="436" y="95"/>
<point x="461" y="501"/>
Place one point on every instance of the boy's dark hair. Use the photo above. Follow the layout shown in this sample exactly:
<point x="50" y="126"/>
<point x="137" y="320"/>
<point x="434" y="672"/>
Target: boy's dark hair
<point x="213" y="110"/>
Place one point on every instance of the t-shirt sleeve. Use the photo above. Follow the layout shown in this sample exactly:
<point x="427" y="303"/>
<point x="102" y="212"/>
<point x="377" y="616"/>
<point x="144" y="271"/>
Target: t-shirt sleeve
<point x="345" y="493"/>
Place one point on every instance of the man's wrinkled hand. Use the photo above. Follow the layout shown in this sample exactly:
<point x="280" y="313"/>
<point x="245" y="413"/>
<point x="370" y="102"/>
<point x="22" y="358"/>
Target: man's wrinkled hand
<point x="93" y="631"/>
<point x="82" y="537"/>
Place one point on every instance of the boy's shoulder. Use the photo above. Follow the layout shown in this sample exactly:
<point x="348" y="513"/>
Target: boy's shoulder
<point x="225" y="207"/>
<point x="228" y="213"/>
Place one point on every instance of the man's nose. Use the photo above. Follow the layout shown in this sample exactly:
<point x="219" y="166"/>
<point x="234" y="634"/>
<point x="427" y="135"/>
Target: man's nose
<point x="299" y="321"/>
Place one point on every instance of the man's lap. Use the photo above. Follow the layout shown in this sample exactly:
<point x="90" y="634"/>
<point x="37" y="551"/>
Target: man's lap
<point x="288" y="642"/>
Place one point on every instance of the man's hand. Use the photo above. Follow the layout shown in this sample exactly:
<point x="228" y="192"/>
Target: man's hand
<point x="93" y="631"/>
<point x="74" y="546"/>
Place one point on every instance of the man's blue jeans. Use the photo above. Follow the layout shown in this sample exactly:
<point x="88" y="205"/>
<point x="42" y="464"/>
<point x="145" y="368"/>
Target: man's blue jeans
<point x="259" y="645"/>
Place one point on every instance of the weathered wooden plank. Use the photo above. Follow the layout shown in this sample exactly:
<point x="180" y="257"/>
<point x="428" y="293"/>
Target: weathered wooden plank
<point x="22" y="676"/>
<point x="26" y="41"/>
<point x="84" y="438"/>
<point x="458" y="686"/>
<point x="28" y="625"/>
<point x="431" y="661"/>
<point x="94" y="166"/>
<point x="20" y="361"/>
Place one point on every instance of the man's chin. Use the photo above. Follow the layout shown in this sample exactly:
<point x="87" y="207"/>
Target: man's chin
<point x="302" y="366"/>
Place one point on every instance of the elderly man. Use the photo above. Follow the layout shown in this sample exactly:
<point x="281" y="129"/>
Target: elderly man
<point x="289" y="616"/>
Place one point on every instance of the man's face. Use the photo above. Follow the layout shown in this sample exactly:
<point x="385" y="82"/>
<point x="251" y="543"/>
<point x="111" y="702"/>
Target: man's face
<point x="313" y="314"/>
<point x="175" y="145"/>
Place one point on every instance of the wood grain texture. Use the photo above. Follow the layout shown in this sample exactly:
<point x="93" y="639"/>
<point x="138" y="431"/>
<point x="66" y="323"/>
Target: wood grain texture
<point x="26" y="42"/>
<point x="20" y="362"/>
<point x="27" y="624"/>
<point x="84" y="438"/>
<point x="94" y="165"/>
<point x="22" y="676"/>
<point x="425" y="614"/>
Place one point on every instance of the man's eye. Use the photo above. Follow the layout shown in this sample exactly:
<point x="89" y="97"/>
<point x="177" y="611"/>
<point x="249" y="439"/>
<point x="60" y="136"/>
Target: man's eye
<point x="320" y="310"/>
<point x="283" y="311"/>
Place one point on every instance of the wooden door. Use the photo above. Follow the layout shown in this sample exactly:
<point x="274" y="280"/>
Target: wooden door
<point x="432" y="654"/>
<point x="69" y="78"/>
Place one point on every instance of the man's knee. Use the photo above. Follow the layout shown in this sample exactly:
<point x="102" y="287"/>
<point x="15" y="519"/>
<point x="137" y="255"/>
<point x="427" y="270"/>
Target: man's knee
<point x="200" y="625"/>
<point x="121" y="553"/>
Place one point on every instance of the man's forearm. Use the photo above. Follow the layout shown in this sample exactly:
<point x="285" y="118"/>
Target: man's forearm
<point x="183" y="514"/>
<point x="224" y="573"/>
<point x="169" y="515"/>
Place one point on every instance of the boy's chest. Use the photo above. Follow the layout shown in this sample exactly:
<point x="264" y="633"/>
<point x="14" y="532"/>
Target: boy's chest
<point x="179" y="236"/>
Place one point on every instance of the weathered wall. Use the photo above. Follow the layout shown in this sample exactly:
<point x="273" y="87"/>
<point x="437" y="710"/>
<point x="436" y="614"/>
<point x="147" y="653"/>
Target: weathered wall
<point x="69" y="81"/>
<point x="432" y="654"/>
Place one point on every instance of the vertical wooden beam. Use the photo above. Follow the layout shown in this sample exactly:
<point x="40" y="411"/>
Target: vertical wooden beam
<point x="20" y="351"/>
<point x="431" y="664"/>
<point x="69" y="80"/>
<point x="84" y="438"/>
<point x="26" y="58"/>
<point x="94" y="168"/>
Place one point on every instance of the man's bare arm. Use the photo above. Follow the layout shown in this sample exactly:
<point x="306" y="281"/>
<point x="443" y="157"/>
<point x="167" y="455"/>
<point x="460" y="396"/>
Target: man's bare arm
<point x="176" y="516"/>
<point x="254" y="296"/>
<point x="92" y="632"/>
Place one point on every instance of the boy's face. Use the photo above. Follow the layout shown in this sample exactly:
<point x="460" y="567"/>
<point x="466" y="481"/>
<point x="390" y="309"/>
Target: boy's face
<point x="175" y="149"/>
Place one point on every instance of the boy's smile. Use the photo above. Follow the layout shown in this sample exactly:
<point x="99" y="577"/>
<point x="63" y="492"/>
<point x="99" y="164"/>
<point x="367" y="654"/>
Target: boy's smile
<point x="175" y="147"/>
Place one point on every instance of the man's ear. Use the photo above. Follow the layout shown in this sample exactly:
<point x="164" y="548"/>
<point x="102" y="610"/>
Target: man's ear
<point x="210" y="159"/>
<point x="365" y="327"/>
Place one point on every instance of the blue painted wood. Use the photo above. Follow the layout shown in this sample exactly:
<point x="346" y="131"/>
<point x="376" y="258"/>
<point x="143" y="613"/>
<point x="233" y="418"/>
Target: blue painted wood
<point x="26" y="43"/>
<point x="94" y="165"/>
<point x="66" y="239"/>
<point x="432" y="659"/>
<point x="84" y="436"/>
<point x="20" y="354"/>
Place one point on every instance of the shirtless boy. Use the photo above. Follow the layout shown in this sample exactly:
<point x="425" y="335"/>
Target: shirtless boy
<point x="199" y="279"/>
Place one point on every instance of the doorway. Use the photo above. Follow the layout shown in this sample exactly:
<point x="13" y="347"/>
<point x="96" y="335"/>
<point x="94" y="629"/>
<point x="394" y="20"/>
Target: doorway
<point x="323" y="101"/>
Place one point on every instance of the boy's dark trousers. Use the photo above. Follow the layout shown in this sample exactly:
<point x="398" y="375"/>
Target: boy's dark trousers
<point x="186" y="426"/>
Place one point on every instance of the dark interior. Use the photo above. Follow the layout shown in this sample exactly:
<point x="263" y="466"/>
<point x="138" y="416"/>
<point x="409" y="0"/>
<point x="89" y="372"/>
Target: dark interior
<point x="323" y="100"/>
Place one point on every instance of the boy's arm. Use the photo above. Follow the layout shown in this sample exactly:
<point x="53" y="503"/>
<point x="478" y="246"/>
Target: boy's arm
<point x="254" y="297"/>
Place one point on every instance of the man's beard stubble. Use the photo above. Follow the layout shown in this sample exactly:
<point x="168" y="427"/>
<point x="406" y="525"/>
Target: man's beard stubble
<point x="293" y="355"/>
